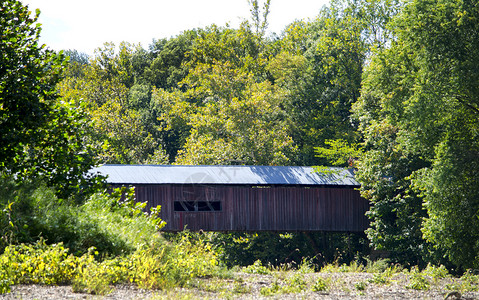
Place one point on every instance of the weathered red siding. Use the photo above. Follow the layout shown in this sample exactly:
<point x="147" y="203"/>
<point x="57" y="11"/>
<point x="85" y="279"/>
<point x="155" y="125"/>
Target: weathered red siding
<point x="246" y="208"/>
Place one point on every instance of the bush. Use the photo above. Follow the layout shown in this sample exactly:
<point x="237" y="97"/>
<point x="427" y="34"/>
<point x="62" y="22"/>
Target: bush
<point x="113" y="224"/>
<point x="160" y="266"/>
<point x="276" y="249"/>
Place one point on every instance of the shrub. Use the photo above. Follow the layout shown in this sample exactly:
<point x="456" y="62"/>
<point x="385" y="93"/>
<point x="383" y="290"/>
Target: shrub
<point x="436" y="273"/>
<point x="377" y="266"/>
<point x="257" y="268"/>
<point x="113" y="224"/>
<point x="38" y="263"/>
<point x="360" y="286"/>
<point x="159" y="266"/>
<point x="320" y="285"/>
<point x="296" y="284"/>
<point x="279" y="248"/>
<point x="418" y="281"/>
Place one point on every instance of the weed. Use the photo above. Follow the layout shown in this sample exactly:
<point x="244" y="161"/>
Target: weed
<point x="284" y="267"/>
<point x="353" y="267"/>
<point x="296" y="284"/>
<point x="5" y="282"/>
<point x="330" y="268"/>
<point x="360" y="286"/>
<point x="257" y="268"/>
<point x="210" y="285"/>
<point x="344" y="268"/>
<point x="380" y="278"/>
<point x="417" y="281"/>
<point x="241" y="288"/>
<point x="377" y="266"/>
<point x="91" y="276"/>
<point x="272" y="290"/>
<point x="320" y="285"/>
<point x="306" y="266"/>
<point x="38" y="263"/>
<point x="436" y="273"/>
<point x="160" y="266"/>
<point x="468" y="283"/>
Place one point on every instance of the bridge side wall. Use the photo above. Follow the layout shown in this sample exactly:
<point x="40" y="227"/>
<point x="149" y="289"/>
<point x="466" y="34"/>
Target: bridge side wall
<point x="263" y="208"/>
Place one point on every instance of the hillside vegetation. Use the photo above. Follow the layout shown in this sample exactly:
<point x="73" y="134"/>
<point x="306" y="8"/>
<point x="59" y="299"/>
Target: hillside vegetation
<point x="387" y="87"/>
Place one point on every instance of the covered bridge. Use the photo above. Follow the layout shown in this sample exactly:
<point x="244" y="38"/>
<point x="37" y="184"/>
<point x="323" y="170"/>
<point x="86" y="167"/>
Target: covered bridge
<point x="246" y="198"/>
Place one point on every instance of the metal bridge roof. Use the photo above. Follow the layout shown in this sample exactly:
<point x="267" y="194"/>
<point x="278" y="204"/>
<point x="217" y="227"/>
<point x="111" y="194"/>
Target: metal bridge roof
<point x="235" y="175"/>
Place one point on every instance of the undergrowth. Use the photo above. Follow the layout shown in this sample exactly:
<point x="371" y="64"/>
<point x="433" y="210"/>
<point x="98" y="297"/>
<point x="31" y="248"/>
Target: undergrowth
<point x="109" y="239"/>
<point x="160" y="266"/>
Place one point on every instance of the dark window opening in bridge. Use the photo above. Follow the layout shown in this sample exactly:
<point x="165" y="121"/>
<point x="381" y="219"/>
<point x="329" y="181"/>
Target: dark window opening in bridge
<point x="197" y="206"/>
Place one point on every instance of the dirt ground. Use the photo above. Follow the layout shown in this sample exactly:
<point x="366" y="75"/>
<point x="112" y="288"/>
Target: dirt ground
<point x="279" y="285"/>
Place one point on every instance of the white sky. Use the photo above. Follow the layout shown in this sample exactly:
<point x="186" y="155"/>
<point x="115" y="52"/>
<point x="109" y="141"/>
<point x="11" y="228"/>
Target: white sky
<point x="87" y="24"/>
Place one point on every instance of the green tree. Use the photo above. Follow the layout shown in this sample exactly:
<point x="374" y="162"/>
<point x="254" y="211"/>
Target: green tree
<point x="203" y="117"/>
<point x="425" y="87"/>
<point x="320" y="68"/>
<point x="260" y="18"/>
<point x="40" y="136"/>
<point x="249" y="128"/>
<point x="447" y="47"/>
<point x="118" y="132"/>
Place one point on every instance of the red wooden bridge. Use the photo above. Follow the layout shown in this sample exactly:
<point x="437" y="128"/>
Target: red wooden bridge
<point x="246" y="198"/>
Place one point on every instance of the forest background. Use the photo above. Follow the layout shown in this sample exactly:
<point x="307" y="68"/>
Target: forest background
<point x="388" y="87"/>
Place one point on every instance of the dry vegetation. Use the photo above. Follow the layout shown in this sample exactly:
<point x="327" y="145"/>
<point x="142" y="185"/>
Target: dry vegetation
<point x="375" y="281"/>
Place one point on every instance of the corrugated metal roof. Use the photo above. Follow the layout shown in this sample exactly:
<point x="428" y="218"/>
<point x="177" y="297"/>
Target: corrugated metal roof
<point x="248" y="175"/>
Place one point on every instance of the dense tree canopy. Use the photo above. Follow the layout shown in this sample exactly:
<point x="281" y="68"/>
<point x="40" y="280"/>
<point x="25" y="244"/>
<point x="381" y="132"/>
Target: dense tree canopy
<point x="419" y="117"/>
<point x="388" y="87"/>
<point x="221" y="95"/>
<point x="40" y="136"/>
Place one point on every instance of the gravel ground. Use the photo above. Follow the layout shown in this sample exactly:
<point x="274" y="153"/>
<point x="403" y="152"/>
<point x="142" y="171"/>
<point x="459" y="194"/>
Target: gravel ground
<point x="248" y="286"/>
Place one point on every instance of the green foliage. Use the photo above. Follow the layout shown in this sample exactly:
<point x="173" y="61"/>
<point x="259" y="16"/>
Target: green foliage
<point x="321" y="285"/>
<point x="470" y="282"/>
<point x="40" y="136"/>
<point x="257" y="268"/>
<point x="39" y="264"/>
<point x="123" y="130"/>
<point x="220" y="95"/>
<point x="271" y="290"/>
<point x="436" y="272"/>
<point x="227" y="96"/>
<point x="335" y="267"/>
<point x="418" y="113"/>
<point x="260" y="24"/>
<point x="158" y="266"/>
<point x="339" y="153"/>
<point x="381" y="278"/>
<point x="247" y="130"/>
<point x="306" y="266"/>
<point x="360" y="286"/>
<point x="303" y="251"/>
<point x="418" y="281"/>
<point x="319" y="69"/>
<point x="377" y="266"/>
<point x="113" y="224"/>
<point x="295" y="284"/>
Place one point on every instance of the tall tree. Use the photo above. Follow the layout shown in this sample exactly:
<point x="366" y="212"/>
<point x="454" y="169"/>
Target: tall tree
<point x="260" y="18"/>
<point x="241" y="123"/>
<point x="424" y="88"/>
<point x="320" y="68"/>
<point x="121" y="130"/>
<point x="39" y="135"/>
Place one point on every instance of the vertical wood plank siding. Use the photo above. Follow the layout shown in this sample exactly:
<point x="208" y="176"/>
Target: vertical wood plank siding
<point x="246" y="208"/>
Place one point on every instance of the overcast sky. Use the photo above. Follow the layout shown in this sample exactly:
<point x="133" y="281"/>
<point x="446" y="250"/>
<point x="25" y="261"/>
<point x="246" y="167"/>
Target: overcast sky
<point x="87" y="24"/>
